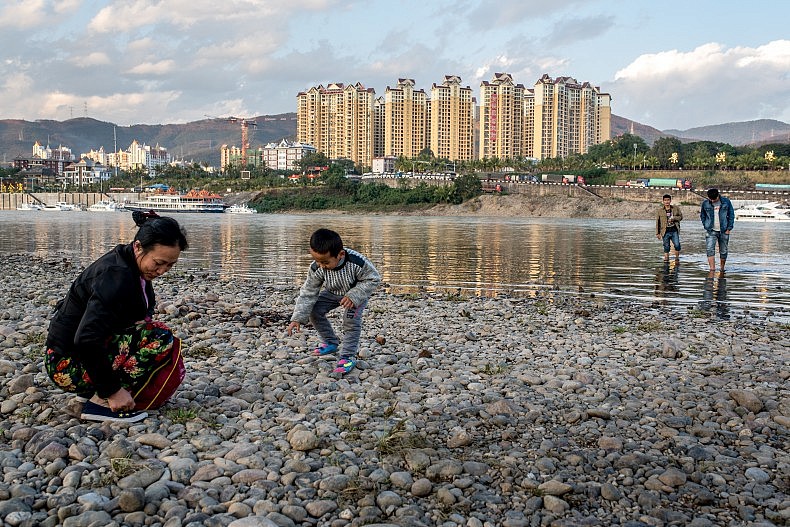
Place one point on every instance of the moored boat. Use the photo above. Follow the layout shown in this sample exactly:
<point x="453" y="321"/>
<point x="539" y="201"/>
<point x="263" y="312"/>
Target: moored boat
<point x="767" y="212"/>
<point x="60" y="206"/>
<point x="192" y="201"/>
<point x="106" y="206"/>
<point x="29" y="206"/>
<point x="240" y="209"/>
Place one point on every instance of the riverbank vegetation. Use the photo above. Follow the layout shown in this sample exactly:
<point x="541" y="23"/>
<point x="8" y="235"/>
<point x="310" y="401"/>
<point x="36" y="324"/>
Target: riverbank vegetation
<point x="341" y="193"/>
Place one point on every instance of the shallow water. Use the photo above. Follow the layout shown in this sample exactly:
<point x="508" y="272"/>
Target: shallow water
<point x="470" y="255"/>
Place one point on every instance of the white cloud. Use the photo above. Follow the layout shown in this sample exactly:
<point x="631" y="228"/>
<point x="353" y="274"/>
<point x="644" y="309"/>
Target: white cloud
<point x="231" y="15"/>
<point x="710" y="84"/>
<point x="153" y="68"/>
<point x="66" y="7"/>
<point x="22" y="14"/>
<point x="97" y="58"/>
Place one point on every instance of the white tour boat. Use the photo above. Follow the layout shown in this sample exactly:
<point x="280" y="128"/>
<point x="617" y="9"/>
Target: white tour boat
<point x="192" y="201"/>
<point x="771" y="211"/>
<point x="240" y="209"/>
<point x="29" y="206"/>
<point x="106" y="206"/>
<point x="60" y="206"/>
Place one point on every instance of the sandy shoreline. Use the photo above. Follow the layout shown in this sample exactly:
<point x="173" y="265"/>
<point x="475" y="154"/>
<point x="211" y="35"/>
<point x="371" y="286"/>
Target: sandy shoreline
<point x="474" y="412"/>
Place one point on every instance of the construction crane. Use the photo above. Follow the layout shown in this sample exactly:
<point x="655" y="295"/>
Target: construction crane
<point x="245" y="141"/>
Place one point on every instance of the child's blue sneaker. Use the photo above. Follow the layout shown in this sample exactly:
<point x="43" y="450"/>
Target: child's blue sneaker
<point x="325" y="349"/>
<point x="344" y="365"/>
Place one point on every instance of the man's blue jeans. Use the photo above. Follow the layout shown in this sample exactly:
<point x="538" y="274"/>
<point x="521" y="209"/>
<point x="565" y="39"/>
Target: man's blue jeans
<point x="713" y="237"/>
<point x="675" y="237"/>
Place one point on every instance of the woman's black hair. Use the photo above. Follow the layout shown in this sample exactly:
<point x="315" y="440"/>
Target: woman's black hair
<point x="326" y="241"/>
<point x="158" y="230"/>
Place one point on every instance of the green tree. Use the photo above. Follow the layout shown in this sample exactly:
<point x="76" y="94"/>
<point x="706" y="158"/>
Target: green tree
<point x="663" y="148"/>
<point x="466" y="187"/>
<point x="313" y="159"/>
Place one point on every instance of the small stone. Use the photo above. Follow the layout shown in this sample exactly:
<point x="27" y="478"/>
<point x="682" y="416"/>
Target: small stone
<point x="459" y="437"/>
<point x="747" y="399"/>
<point x="253" y="521"/>
<point x="554" y="488"/>
<point x="317" y="509"/>
<point x="130" y="500"/>
<point x="757" y="474"/>
<point x="610" y="493"/>
<point x="601" y="413"/>
<point x="555" y="505"/>
<point x="672" y="477"/>
<point x="155" y="440"/>
<point x="422" y="487"/>
<point x="610" y="443"/>
<point x="20" y="384"/>
<point x="303" y="440"/>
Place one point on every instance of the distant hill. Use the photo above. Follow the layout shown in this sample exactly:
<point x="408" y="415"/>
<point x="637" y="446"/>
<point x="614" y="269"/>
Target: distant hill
<point x="199" y="141"/>
<point x="195" y="141"/>
<point x="760" y="131"/>
<point x="621" y="125"/>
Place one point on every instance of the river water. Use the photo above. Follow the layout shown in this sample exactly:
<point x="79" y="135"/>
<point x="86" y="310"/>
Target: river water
<point x="449" y="255"/>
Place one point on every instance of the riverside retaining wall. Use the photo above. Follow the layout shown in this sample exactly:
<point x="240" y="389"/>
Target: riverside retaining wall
<point x="12" y="200"/>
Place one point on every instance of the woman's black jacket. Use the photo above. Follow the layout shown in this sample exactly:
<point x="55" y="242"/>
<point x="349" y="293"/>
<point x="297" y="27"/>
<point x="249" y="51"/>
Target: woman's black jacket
<point x="104" y="300"/>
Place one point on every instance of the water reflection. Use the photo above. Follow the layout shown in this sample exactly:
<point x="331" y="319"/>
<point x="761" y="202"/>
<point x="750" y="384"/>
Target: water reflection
<point x="667" y="280"/>
<point x="714" y="295"/>
<point x="478" y="256"/>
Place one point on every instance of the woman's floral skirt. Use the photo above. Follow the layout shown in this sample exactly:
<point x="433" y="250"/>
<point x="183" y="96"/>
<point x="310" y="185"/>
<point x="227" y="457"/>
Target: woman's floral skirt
<point x="134" y="355"/>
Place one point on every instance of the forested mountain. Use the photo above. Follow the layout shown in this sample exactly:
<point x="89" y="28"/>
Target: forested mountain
<point x="195" y="141"/>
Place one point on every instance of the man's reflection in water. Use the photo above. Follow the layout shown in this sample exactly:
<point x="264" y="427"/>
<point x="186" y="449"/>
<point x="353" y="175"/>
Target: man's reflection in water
<point x="714" y="295"/>
<point x="667" y="279"/>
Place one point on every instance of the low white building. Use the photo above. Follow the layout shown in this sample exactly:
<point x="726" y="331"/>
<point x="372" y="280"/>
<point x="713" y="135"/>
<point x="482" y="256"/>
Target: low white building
<point x="85" y="172"/>
<point x="285" y="154"/>
<point x="383" y="165"/>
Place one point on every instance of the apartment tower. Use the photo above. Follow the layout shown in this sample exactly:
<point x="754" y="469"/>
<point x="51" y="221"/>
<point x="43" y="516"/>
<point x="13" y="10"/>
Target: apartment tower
<point x="338" y="121"/>
<point x="501" y="118"/>
<point x="378" y="127"/>
<point x="451" y="120"/>
<point x="566" y="117"/>
<point x="405" y="114"/>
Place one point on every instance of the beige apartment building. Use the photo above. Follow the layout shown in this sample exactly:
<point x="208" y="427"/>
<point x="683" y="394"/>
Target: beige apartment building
<point x="565" y="117"/>
<point x="405" y="120"/>
<point x="378" y="127"/>
<point x="501" y="118"/>
<point x="452" y="111"/>
<point x="338" y="121"/>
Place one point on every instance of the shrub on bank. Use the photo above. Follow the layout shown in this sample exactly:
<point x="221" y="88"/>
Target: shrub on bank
<point x="367" y="196"/>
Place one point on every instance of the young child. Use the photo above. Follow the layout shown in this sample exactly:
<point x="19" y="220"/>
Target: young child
<point x="337" y="277"/>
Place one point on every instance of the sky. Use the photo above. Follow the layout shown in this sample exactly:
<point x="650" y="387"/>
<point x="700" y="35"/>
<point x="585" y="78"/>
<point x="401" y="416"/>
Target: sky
<point x="669" y="64"/>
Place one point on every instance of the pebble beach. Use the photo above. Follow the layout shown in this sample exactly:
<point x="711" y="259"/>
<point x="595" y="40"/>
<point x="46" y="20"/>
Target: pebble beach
<point x="549" y="410"/>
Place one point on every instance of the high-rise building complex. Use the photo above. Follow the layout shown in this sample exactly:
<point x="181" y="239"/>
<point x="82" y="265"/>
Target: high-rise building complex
<point x="556" y="118"/>
<point x="338" y="121"/>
